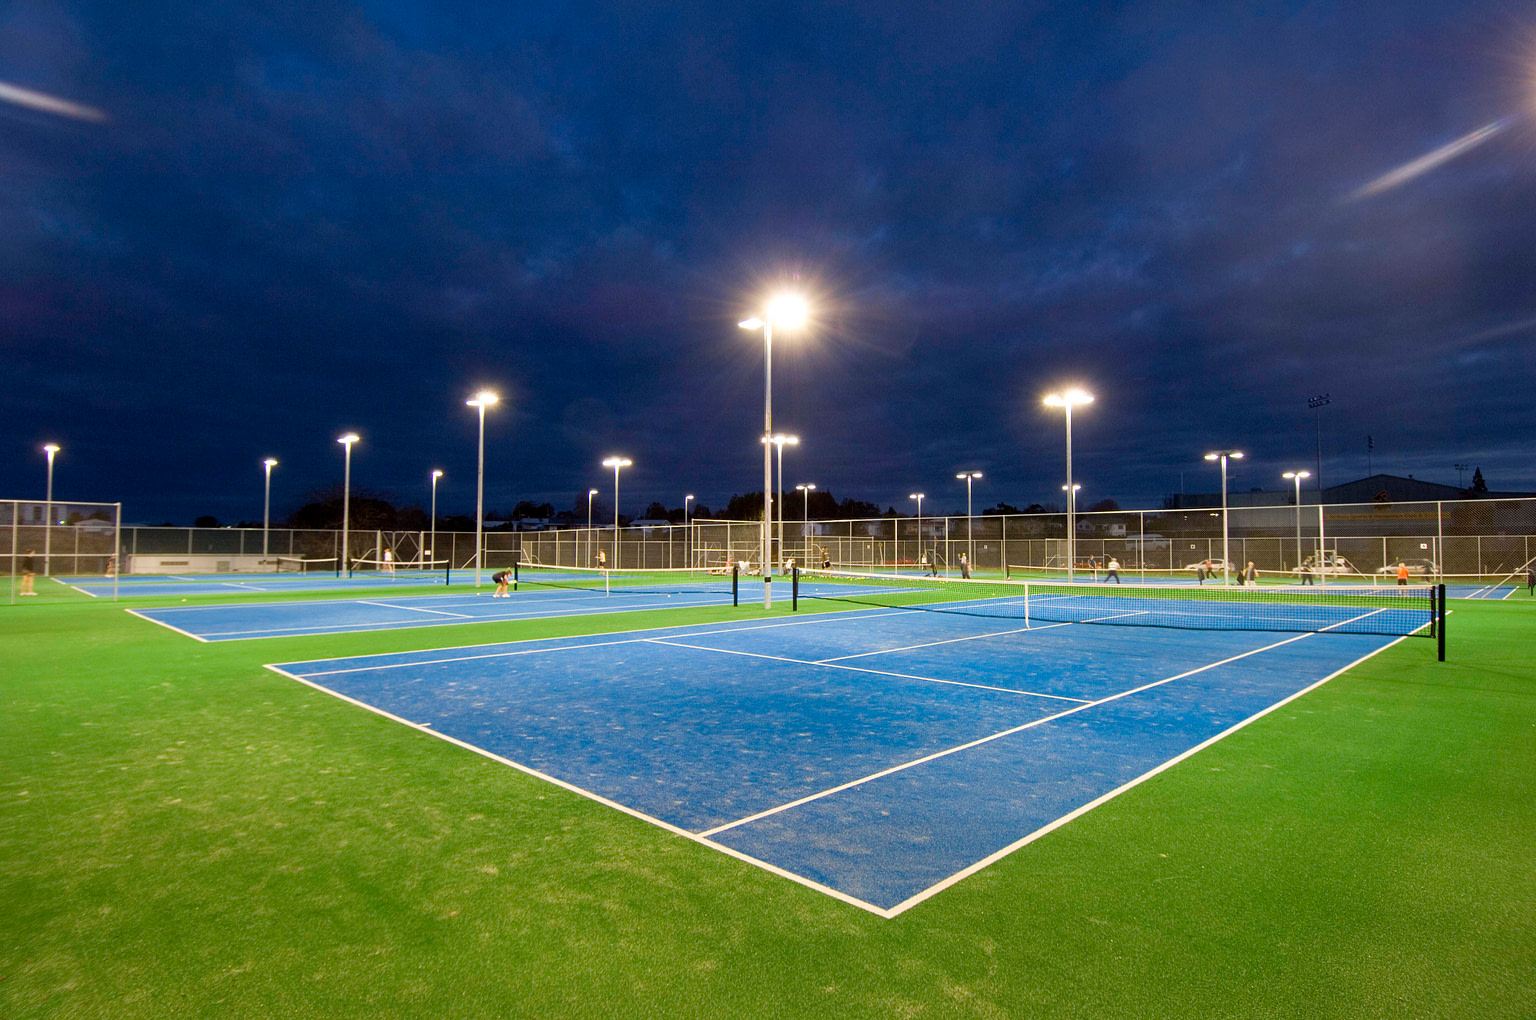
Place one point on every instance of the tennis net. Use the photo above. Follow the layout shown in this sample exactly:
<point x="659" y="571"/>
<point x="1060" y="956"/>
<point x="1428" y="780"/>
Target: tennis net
<point x="1337" y="609"/>
<point x="304" y="565"/>
<point x="404" y="571"/>
<point x="720" y="581"/>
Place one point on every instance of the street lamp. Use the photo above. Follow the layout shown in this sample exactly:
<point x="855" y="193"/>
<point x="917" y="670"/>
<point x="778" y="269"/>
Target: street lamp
<point x="1297" y="476"/>
<point x="919" y="497"/>
<point x="432" y="552"/>
<point x="970" y="523"/>
<point x="788" y="311"/>
<point x="805" y="523"/>
<point x="266" y="506"/>
<point x="481" y="400"/>
<point x="1226" y="559"/>
<point x="50" y="450"/>
<point x="781" y="441"/>
<point x="1068" y="400"/>
<point x="590" y="494"/>
<point x="616" y="463"/>
<point x="346" y="500"/>
<point x="687" y="532"/>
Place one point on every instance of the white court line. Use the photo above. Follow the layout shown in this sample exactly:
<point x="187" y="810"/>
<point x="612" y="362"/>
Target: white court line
<point x="861" y="669"/>
<point x="151" y="619"/>
<point x="416" y="609"/>
<point x="599" y="798"/>
<point x="1050" y="827"/>
<point x="571" y="647"/>
<point x="988" y="739"/>
<point x="946" y="641"/>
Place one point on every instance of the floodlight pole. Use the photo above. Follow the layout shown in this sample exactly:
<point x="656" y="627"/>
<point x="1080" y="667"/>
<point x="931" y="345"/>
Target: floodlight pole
<point x="687" y="533"/>
<point x="616" y="463"/>
<point x="789" y="310"/>
<point x="1066" y="401"/>
<point x="1297" y="476"/>
<point x="266" y="507"/>
<point x="970" y="521"/>
<point x="805" y="523"/>
<point x="346" y="500"/>
<point x="590" y="494"/>
<point x="50" y="450"/>
<point x="481" y="400"/>
<point x="919" y="497"/>
<point x="432" y="554"/>
<point x="1226" y="557"/>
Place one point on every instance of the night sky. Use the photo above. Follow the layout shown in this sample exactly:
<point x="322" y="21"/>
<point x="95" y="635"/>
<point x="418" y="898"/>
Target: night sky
<point x="301" y="219"/>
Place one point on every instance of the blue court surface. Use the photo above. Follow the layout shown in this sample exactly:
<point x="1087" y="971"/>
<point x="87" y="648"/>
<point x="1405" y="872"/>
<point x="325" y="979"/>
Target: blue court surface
<point x="877" y="755"/>
<point x="239" y="621"/>
<point x="138" y="586"/>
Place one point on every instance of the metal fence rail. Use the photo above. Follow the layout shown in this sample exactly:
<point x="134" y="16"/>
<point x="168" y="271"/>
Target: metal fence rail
<point x="58" y="539"/>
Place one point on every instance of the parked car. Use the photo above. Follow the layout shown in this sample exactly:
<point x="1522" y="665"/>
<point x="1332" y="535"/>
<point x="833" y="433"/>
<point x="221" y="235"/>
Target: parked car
<point x="1416" y="567"/>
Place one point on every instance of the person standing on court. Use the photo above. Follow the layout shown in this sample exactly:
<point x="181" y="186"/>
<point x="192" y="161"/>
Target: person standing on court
<point x="1402" y="573"/>
<point x="965" y="567"/>
<point x="602" y="559"/>
<point x="28" y="572"/>
<point x="1253" y="573"/>
<point x="1530" y="580"/>
<point x="1112" y="572"/>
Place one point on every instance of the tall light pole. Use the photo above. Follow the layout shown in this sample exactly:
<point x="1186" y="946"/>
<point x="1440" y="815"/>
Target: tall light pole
<point x="266" y="506"/>
<point x="346" y="500"/>
<point x="1297" y="476"/>
<point x="781" y="441"/>
<point x="788" y="311"/>
<point x="1226" y="558"/>
<point x="432" y="552"/>
<point x="1068" y="400"/>
<point x="919" y="497"/>
<point x="970" y="522"/>
<point x="481" y="400"/>
<point x="616" y="463"/>
<point x="687" y="533"/>
<point x="805" y="522"/>
<point x="50" y="450"/>
<point x="590" y="494"/>
<point x="1317" y="404"/>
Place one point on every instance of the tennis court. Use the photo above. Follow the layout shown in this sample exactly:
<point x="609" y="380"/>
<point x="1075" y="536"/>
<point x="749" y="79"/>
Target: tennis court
<point x="147" y="585"/>
<point x="877" y="755"/>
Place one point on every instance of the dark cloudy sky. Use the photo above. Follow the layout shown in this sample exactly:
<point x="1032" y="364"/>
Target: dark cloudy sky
<point x="302" y="218"/>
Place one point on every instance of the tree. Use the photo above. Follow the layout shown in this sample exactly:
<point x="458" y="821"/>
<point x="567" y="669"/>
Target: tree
<point x="206" y="521"/>
<point x="1001" y="508"/>
<point x="857" y="508"/>
<point x="528" y="508"/>
<point x="747" y="507"/>
<point x="657" y="512"/>
<point x="1478" y="485"/>
<point x="1104" y="505"/>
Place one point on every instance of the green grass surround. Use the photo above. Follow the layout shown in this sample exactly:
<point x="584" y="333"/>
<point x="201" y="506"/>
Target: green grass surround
<point x="183" y="833"/>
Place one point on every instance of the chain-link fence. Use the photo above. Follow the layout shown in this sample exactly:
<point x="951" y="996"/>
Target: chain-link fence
<point x="39" y="538"/>
<point x="1479" y="538"/>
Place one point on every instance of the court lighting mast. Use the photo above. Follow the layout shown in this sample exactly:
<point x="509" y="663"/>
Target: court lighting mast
<point x="781" y="441"/>
<point x="481" y="400"/>
<point x="1226" y="558"/>
<point x="616" y="463"/>
<point x="789" y="312"/>
<point x="1297" y="476"/>
<point x="346" y="501"/>
<point x="805" y="523"/>
<point x="1068" y="400"/>
<point x="50" y="450"/>
<point x="590" y="494"/>
<point x="266" y="506"/>
<point x="919" y="497"/>
<point x="687" y="532"/>
<point x="432" y="553"/>
<point x="970" y="522"/>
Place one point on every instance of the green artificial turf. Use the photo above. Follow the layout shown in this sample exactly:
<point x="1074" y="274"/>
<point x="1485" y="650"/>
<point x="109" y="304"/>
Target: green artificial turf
<point x="184" y="833"/>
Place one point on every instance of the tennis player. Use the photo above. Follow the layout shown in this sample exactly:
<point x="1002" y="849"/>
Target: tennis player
<point x="1530" y="580"/>
<point x="500" y="579"/>
<point x="1402" y="573"/>
<point x="1112" y="572"/>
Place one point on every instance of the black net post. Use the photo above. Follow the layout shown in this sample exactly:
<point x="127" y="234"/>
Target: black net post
<point x="514" y="574"/>
<point x="1440" y="615"/>
<point x="735" y="583"/>
<point x="794" y="589"/>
